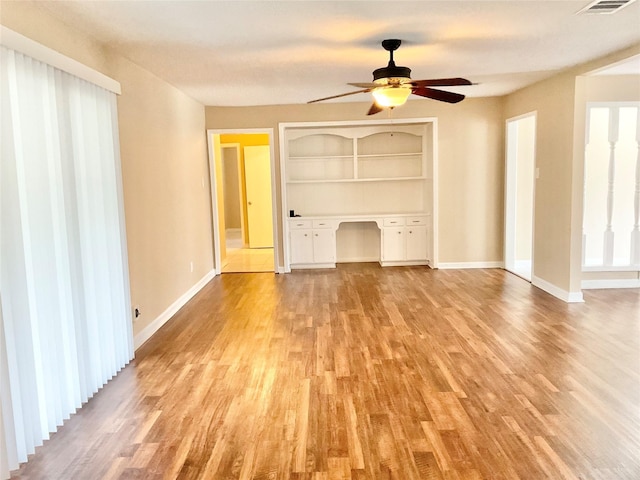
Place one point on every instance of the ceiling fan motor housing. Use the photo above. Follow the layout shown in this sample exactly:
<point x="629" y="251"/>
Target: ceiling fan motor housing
<point x="391" y="71"/>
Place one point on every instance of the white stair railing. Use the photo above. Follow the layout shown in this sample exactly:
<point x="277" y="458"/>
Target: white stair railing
<point x="612" y="187"/>
<point x="635" y="233"/>
<point x="609" y="235"/>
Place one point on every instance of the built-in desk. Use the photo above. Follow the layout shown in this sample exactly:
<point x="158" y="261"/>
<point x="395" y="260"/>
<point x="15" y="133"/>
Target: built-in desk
<point x="403" y="239"/>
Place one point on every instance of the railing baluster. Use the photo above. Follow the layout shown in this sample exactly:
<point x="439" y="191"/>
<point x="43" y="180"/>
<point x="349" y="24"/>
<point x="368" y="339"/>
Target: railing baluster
<point x="614" y="117"/>
<point x="635" y="233"/>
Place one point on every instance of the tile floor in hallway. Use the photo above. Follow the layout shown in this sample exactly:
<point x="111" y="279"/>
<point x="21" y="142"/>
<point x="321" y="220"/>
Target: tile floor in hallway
<point x="249" y="260"/>
<point x="243" y="260"/>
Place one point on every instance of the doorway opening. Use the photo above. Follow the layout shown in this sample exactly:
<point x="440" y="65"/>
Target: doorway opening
<point x="243" y="200"/>
<point x="519" y="195"/>
<point x="611" y="212"/>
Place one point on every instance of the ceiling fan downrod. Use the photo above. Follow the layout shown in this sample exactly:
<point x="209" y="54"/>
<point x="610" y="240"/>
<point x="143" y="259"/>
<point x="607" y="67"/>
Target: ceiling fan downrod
<point x="391" y="71"/>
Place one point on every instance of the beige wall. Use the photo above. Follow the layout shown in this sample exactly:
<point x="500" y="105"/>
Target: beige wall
<point x="553" y="102"/>
<point x="560" y="104"/>
<point x="470" y="162"/>
<point x="164" y="163"/>
<point x="612" y="88"/>
<point x="166" y="189"/>
<point x="32" y="22"/>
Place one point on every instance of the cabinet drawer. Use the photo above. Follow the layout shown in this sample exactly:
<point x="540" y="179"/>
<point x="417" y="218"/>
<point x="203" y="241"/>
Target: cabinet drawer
<point x="294" y="224"/>
<point x="322" y="224"/>
<point x="416" y="220"/>
<point x="393" y="221"/>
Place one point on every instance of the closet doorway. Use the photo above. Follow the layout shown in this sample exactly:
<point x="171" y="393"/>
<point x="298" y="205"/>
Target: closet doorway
<point x="243" y="203"/>
<point x="519" y="195"/>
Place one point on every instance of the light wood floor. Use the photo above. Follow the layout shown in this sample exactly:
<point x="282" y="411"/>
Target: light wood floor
<point x="369" y="373"/>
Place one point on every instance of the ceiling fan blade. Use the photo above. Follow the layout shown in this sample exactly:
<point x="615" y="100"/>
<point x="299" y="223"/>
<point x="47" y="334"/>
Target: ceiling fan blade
<point x="364" y="85"/>
<point x="375" y="108"/>
<point x="441" y="95"/>
<point x="441" y="82"/>
<point x="341" y="95"/>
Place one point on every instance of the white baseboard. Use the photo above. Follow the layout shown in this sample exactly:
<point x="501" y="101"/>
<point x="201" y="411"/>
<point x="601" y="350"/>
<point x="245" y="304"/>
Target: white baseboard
<point x="569" y="297"/>
<point x="464" y="265"/>
<point x="155" y="325"/>
<point x="300" y="266"/>
<point x="409" y="263"/>
<point x="610" y="283"/>
<point x="370" y="259"/>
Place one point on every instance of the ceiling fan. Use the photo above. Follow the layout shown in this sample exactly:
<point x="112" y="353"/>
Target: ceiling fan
<point x="392" y="85"/>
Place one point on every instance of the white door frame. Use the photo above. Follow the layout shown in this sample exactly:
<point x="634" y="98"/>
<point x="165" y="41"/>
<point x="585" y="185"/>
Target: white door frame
<point x="215" y="213"/>
<point x="510" y="193"/>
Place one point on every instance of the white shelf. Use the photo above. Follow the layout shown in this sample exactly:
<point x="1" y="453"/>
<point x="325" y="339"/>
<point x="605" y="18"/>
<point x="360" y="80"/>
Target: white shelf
<point x="388" y="155"/>
<point x="367" y="169"/>
<point x="355" y="180"/>
<point x="315" y="158"/>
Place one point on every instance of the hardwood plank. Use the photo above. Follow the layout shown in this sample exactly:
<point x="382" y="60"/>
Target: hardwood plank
<point x="369" y="373"/>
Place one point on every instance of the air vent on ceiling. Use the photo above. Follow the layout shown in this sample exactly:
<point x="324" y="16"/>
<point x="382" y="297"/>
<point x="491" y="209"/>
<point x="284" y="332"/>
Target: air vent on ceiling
<point x="606" y="6"/>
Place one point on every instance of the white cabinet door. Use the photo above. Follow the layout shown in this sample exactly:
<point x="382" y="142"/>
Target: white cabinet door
<point x="393" y="244"/>
<point x="416" y="243"/>
<point x="301" y="246"/>
<point x="324" y="246"/>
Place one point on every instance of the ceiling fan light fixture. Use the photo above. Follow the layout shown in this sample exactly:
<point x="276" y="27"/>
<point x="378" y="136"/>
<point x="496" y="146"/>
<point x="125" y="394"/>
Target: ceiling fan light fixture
<point x="390" y="97"/>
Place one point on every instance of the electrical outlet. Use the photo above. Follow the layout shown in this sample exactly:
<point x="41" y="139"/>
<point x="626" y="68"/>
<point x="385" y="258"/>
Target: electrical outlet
<point x="191" y="266"/>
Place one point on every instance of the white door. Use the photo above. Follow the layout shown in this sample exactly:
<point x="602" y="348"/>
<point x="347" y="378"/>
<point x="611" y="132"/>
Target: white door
<point x="257" y="166"/>
<point x="519" y="195"/>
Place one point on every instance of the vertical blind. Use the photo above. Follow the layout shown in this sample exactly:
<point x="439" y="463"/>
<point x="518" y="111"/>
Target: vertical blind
<point x="65" y="309"/>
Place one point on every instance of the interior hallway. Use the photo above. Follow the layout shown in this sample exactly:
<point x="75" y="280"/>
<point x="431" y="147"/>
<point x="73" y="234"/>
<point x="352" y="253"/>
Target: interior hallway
<point x="246" y="260"/>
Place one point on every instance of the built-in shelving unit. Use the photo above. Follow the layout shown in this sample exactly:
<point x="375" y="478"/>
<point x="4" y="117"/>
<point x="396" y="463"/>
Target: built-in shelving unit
<point x="351" y="169"/>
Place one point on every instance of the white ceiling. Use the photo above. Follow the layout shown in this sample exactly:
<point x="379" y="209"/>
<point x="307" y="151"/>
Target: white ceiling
<point x="233" y="53"/>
